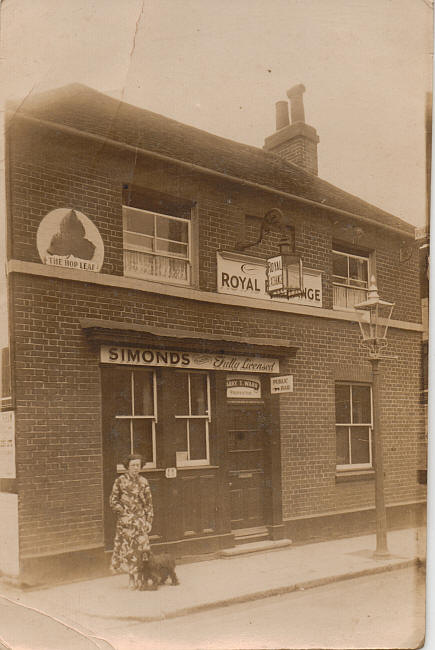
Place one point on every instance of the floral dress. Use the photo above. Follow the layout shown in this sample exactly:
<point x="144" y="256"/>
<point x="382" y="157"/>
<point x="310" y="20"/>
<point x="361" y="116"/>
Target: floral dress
<point x="132" y="502"/>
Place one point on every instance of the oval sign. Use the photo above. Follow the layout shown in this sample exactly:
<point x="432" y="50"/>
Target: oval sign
<point x="68" y="238"/>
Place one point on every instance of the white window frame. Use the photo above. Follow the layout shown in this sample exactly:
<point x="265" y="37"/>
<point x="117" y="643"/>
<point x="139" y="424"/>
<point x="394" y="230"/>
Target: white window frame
<point x="154" y="252"/>
<point x="133" y="416"/>
<point x="349" y="287"/>
<point x="356" y="466"/>
<point x="207" y="417"/>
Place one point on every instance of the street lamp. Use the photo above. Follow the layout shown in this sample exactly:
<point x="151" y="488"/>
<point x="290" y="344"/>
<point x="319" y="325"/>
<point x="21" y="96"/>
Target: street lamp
<point x="374" y="319"/>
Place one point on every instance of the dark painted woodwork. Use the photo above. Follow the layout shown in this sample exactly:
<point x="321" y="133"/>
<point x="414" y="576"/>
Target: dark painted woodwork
<point x="157" y="485"/>
<point x="240" y="488"/>
<point x="198" y="501"/>
<point x="247" y="424"/>
<point x="273" y="454"/>
<point x="221" y="458"/>
<point x="167" y="441"/>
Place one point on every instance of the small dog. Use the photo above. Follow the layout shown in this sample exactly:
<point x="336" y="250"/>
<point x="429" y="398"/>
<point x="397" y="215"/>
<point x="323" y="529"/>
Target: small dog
<point x="157" y="568"/>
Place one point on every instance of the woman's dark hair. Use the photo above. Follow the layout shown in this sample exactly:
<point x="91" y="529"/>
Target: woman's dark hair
<point x="126" y="461"/>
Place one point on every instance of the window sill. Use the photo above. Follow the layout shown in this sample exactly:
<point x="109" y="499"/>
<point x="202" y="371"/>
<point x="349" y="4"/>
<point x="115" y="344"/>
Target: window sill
<point x="340" y="308"/>
<point x="185" y="467"/>
<point x="354" y="475"/>
<point x="157" y="280"/>
<point x="144" y="470"/>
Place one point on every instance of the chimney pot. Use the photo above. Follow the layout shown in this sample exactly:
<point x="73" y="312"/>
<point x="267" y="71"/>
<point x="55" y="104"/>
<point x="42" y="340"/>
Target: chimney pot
<point x="282" y="117"/>
<point x="295" y="94"/>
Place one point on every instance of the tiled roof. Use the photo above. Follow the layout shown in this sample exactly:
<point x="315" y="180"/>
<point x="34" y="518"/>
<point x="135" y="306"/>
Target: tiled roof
<point x="88" y="110"/>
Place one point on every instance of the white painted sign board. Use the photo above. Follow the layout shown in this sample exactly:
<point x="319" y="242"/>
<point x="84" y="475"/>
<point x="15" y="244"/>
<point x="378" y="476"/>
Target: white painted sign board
<point x="243" y="386"/>
<point x="68" y="238"/>
<point x="274" y="272"/>
<point x="7" y="444"/>
<point x="187" y="360"/>
<point x="282" y="384"/>
<point x="246" y="277"/>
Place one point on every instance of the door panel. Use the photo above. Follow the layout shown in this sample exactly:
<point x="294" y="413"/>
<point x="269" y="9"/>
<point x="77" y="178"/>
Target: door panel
<point x="198" y="502"/>
<point x="236" y="506"/>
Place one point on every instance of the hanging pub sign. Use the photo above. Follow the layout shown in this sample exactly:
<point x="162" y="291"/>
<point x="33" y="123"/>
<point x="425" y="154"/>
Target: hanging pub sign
<point x="187" y="360"/>
<point x="284" y="276"/>
<point x="239" y="275"/>
<point x="243" y="386"/>
<point x="67" y="238"/>
<point x="275" y="273"/>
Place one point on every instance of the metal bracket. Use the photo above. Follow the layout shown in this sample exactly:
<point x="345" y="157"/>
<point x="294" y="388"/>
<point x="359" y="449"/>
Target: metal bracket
<point x="273" y="220"/>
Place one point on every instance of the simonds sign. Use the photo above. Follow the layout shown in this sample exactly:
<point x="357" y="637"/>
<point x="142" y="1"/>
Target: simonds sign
<point x="239" y="276"/>
<point x="188" y="360"/>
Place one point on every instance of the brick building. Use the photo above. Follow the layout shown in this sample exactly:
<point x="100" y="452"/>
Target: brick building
<point x="138" y="323"/>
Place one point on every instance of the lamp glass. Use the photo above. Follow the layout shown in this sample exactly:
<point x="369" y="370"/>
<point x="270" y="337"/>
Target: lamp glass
<point x="293" y="272"/>
<point x="374" y="319"/>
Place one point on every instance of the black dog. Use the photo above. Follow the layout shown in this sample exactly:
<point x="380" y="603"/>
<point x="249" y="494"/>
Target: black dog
<point x="157" y="568"/>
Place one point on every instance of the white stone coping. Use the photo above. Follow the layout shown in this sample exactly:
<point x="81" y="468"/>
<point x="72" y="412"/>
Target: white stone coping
<point x="189" y="293"/>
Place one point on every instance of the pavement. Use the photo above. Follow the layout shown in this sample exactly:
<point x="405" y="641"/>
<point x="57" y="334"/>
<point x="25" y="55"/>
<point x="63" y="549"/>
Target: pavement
<point x="105" y="606"/>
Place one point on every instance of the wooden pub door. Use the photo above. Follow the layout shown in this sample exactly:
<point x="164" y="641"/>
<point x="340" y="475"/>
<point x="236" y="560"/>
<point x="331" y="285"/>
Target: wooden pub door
<point x="247" y="464"/>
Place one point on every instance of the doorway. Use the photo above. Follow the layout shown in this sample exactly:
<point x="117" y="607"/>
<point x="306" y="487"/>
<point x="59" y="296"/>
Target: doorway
<point x="247" y="464"/>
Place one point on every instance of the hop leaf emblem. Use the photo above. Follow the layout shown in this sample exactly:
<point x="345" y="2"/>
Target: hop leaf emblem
<point x="71" y="240"/>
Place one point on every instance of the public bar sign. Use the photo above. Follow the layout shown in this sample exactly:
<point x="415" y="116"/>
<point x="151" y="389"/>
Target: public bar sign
<point x="7" y="444"/>
<point x="281" y="384"/>
<point x="133" y="356"/>
<point x="243" y="386"/>
<point x="240" y="276"/>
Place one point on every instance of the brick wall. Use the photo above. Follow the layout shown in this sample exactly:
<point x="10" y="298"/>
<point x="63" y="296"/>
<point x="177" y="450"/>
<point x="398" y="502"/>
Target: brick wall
<point x="57" y="378"/>
<point x="97" y="176"/>
<point x="59" y="404"/>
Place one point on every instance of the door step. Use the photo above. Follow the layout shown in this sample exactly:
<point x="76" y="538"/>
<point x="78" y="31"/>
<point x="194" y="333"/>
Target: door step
<point x="246" y="535"/>
<point x="255" y="547"/>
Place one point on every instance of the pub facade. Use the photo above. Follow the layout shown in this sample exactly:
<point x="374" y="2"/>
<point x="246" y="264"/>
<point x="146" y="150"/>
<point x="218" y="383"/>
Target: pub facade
<point x="139" y="321"/>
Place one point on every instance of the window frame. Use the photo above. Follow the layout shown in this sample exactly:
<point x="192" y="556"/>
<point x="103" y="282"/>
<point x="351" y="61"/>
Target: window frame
<point x="206" y="417"/>
<point x="154" y="251"/>
<point x="355" y="466"/>
<point x="347" y="286"/>
<point x="132" y="417"/>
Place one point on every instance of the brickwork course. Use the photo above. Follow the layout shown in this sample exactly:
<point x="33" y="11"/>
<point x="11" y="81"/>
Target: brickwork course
<point x="57" y="393"/>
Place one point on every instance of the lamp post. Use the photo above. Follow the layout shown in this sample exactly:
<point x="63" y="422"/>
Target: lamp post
<point x="374" y="319"/>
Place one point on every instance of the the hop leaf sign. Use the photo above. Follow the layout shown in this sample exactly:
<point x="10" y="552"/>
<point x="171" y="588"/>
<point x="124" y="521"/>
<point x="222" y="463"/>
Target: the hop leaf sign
<point x="71" y="240"/>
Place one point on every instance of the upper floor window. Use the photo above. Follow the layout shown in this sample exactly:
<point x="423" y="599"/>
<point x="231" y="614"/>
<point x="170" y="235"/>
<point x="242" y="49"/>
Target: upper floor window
<point x="350" y="275"/>
<point x="353" y="416"/>
<point x="156" y="246"/>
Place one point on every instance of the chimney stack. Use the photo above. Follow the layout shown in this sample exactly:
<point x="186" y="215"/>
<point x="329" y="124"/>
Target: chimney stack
<point x="295" y="142"/>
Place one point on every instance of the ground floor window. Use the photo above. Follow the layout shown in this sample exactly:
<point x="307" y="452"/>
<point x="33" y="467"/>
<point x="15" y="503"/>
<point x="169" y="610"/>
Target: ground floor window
<point x="130" y="412"/>
<point x="192" y="418"/>
<point x="354" y="424"/>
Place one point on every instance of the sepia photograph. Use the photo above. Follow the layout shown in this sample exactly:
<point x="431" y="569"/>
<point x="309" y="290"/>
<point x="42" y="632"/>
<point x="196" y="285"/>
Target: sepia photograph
<point x="214" y="324"/>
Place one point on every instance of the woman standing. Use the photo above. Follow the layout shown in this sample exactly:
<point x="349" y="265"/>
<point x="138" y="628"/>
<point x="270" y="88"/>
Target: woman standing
<point x="132" y="502"/>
